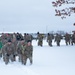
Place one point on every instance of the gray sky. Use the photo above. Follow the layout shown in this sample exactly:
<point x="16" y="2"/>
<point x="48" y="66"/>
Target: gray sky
<point x="31" y="16"/>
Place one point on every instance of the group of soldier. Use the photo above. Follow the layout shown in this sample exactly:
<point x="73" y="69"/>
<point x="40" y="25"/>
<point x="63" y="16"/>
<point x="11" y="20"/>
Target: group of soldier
<point x="13" y="45"/>
<point x="69" y="39"/>
<point x="16" y="45"/>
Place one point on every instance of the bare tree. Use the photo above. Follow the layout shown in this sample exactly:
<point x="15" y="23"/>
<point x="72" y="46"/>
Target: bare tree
<point x="66" y="11"/>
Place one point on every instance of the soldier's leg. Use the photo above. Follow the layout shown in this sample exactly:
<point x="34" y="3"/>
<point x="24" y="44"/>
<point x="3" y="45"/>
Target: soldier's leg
<point x="20" y="57"/>
<point x="38" y="42"/>
<point x="31" y="61"/>
<point x="6" y="58"/>
<point x="24" y="60"/>
<point x="50" y="43"/>
<point x="58" y="43"/>
<point x="11" y="57"/>
<point x="72" y="42"/>
<point x="0" y="55"/>
<point x="14" y="57"/>
<point x="69" y="42"/>
<point x="66" y="43"/>
<point x="3" y="55"/>
<point x="41" y="43"/>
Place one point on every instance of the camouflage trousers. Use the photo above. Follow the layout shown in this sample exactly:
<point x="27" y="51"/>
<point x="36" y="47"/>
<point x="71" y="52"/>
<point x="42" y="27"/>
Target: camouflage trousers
<point x="58" y="43"/>
<point x="73" y="42"/>
<point x="20" y="57"/>
<point x="67" y="42"/>
<point x="0" y="54"/>
<point x="24" y="59"/>
<point x="50" y="43"/>
<point x="8" y="57"/>
<point x="40" y="43"/>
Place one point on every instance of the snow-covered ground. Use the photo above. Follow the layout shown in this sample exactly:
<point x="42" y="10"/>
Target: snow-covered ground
<point x="46" y="61"/>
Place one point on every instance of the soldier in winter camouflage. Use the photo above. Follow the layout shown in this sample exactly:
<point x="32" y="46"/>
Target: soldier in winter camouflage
<point x="27" y="52"/>
<point x="23" y="47"/>
<point x="28" y="37"/>
<point x="8" y="52"/>
<point x="49" y="39"/>
<point x="57" y="39"/>
<point x="73" y="38"/>
<point x="19" y="50"/>
<point x="14" y="41"/>
<point x="67" y="39"/>
<point x="40" y="39"/>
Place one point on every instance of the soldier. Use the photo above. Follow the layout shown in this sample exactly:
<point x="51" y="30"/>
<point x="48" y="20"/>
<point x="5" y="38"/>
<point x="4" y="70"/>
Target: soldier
<point x="27" y="52"/>
<point x="19" y="36"/>
<point x="25" y="36"/>
<point x="57" y="39"/>
<point x="23" y="47"/>
<point x="67" y="38"/>
<point x="73" y="38"/>
<point x="14" y="41"/>
<point x="8" y="52"/>
<point x="19" y="50"/>
<point x="3" y="39"/>
<point x="28" y="37"/>
<point x="49" y="39"/>
<point x="40" y="39"/>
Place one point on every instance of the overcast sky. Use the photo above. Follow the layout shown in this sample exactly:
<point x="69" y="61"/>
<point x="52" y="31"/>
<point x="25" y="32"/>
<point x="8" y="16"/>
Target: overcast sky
<point x="31" y="16"/>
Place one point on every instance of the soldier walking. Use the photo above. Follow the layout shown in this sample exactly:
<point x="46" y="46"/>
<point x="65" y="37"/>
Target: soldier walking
<point x="40" y="39"/>
<point x="57" y="39"/>
<point x="67" y="39"/>
<point x="8" y="52"/>
<point x="49" y="39"/>
<point x="19" y="50"/>
<point x="27" y="52"/>
<point x="73" y="38"/>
